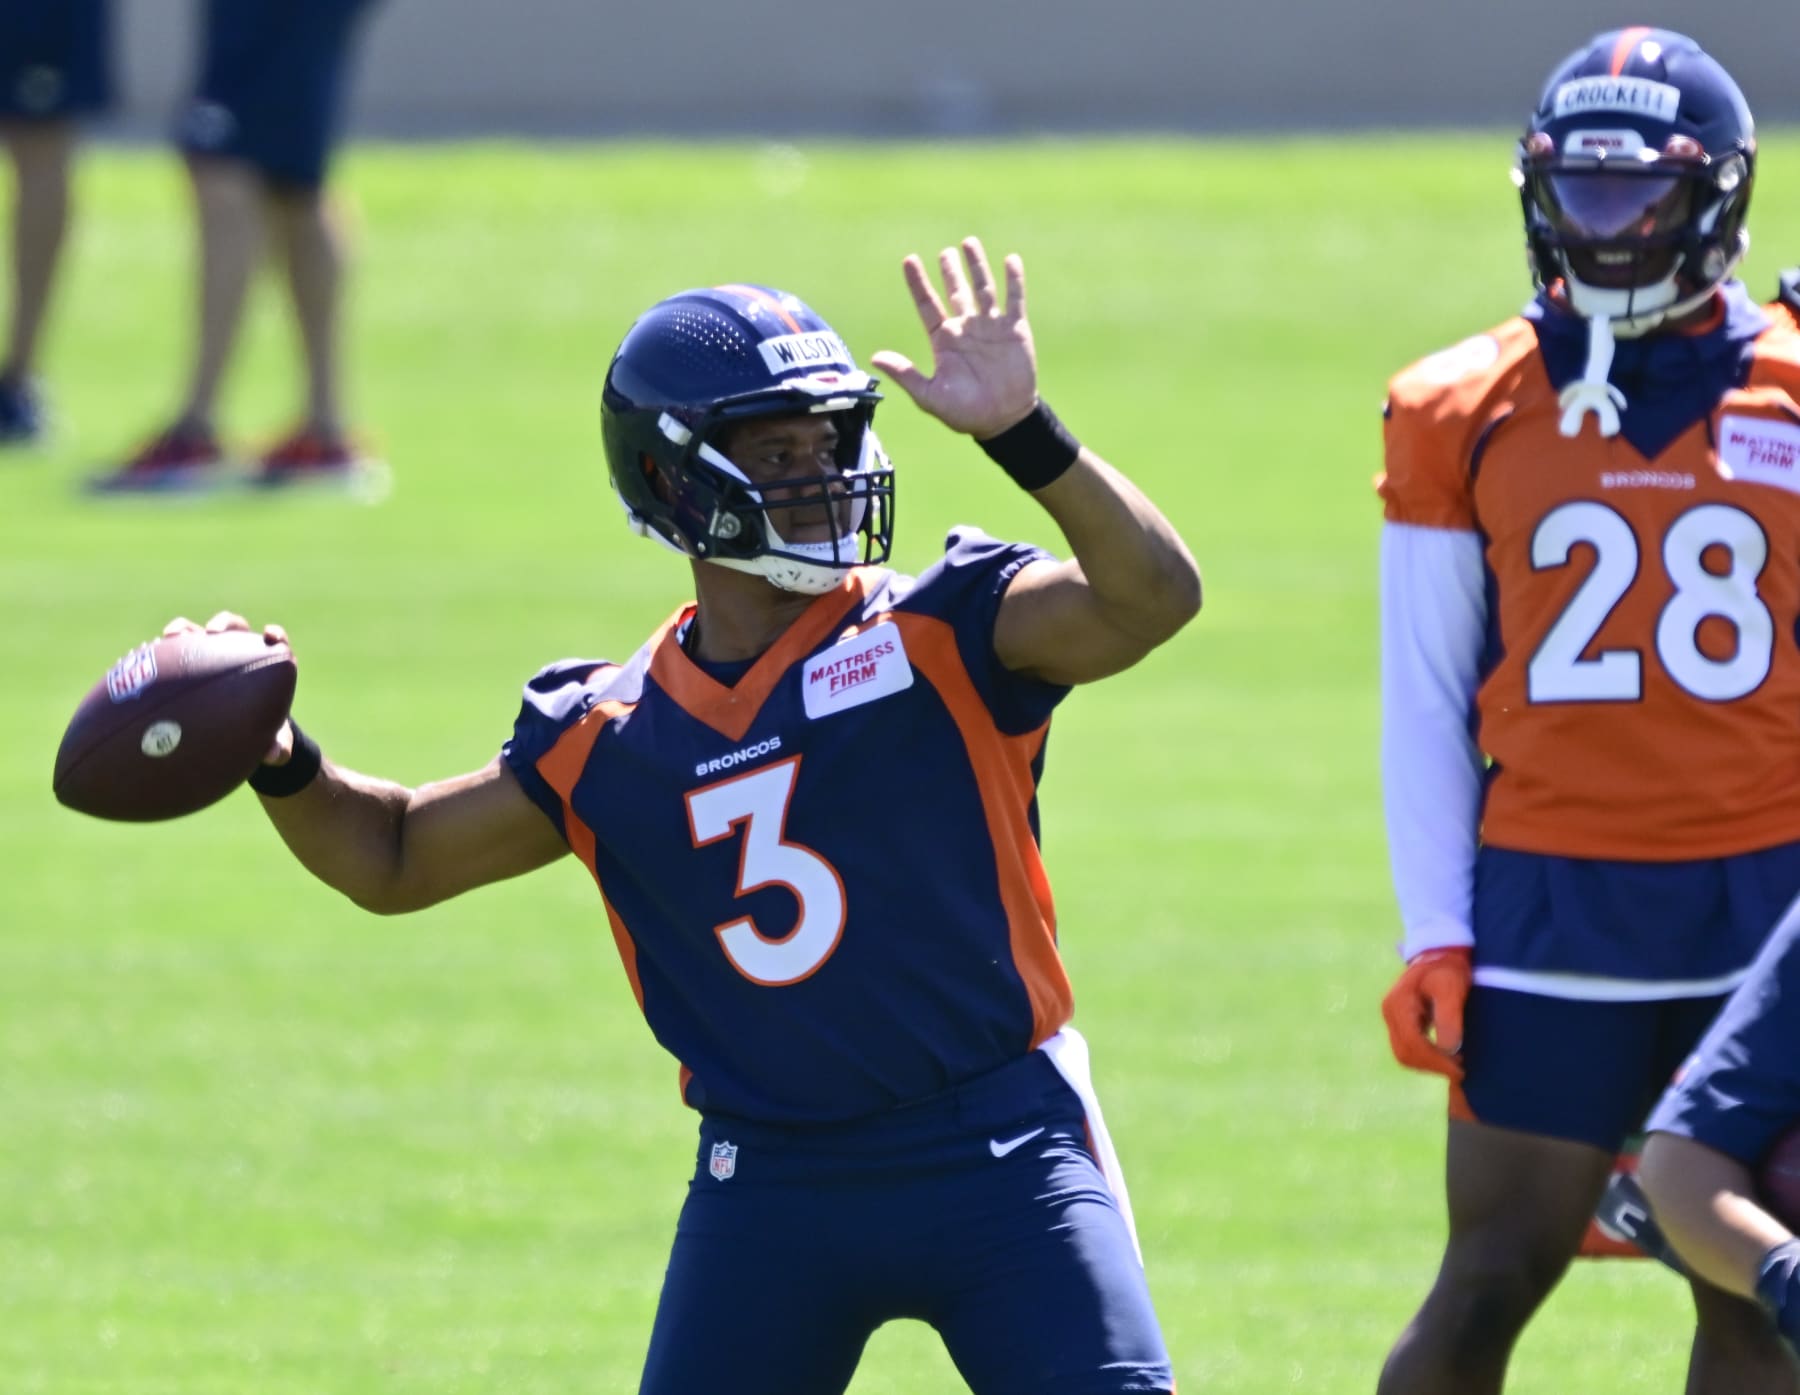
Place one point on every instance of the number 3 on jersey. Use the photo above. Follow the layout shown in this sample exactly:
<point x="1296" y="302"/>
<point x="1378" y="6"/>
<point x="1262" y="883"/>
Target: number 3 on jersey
<point x="1559" y="673"/>
<point x="759" y="801"/>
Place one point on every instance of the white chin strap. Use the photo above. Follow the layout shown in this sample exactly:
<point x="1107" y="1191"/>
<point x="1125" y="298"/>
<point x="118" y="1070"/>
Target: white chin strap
<point x="1611" y="315"/>
<point x="1592" y="392"/>
<point x="807" y="578"/>
<point x="811" y="568"/>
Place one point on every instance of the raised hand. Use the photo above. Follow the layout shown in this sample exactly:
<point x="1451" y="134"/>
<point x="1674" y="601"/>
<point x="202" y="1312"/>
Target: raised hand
<point x="985" y="367"/>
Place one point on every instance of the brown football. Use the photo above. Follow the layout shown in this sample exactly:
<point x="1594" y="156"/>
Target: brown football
<point x="1778" y="1179"/>
<point x="175" y="725"/>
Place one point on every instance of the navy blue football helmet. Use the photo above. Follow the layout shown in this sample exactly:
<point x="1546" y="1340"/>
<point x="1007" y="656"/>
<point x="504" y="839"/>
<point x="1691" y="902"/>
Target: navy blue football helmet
<point x="1635" y="174"/>
<point x="697" y="365"/>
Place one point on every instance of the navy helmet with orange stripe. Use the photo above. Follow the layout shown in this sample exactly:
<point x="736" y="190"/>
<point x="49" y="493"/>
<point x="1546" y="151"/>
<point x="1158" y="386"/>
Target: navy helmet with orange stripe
<point x="696" y="366"/>
<point x="1635" y="174"/>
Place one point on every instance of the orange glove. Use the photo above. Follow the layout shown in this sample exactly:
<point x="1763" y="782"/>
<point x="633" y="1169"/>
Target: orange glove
<point x="1424" y="1011"/>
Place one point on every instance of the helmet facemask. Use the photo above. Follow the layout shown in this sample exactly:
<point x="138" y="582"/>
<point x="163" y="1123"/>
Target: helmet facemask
<point x="1636" y="237"/>
<point x="702" y="366"/>
<point x="715" y="512"/>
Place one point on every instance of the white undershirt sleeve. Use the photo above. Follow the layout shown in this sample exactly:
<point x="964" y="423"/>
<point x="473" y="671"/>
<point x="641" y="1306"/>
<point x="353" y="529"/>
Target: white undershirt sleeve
<point x="1433" y="630"/>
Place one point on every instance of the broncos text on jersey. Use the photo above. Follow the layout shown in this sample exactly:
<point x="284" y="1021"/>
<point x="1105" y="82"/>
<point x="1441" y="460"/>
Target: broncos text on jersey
<point x="823" y="879"/>
<point x="1642" y="678"/>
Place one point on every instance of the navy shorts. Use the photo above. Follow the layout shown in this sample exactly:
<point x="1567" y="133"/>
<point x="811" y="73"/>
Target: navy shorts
<point x="272" y="85"/>
<point x="979" y="1211"/>
<point x="1585" y="1068"/>
<point x="1564" y="1068"/>
<point x="55" y="58"/>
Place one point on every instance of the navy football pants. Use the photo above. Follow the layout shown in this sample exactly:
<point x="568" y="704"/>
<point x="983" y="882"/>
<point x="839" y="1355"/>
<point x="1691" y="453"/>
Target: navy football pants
<point x="1015" y="1251"/>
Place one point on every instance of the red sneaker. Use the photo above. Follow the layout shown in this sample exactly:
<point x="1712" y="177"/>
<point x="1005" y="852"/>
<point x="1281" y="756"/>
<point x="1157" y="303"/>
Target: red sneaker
<point x="183" y="457"/>
<point x="309" y="455"/>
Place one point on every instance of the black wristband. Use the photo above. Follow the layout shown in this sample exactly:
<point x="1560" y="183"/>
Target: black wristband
<point x="302" y="768"/>
<point x="1035" y="452"/>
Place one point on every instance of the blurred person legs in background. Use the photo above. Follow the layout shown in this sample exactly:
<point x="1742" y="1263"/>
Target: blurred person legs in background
<point x="258" y="137"/>
<point x="53" y="69"/>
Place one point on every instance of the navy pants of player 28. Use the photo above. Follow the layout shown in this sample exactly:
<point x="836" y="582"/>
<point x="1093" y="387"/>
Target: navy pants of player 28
<point x="979" y="1211"/>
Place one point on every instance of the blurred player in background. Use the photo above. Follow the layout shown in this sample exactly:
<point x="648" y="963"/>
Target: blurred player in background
<point x="810" y="804"/>
<point x="258" y="137"/>
<point x="1737" y="1095"/>
<point x="1590" y="586"/>
<point x="54" y="69"/>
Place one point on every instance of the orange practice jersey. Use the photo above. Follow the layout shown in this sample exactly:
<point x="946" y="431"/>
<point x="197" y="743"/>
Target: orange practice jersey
<point x="1641" y="691"/>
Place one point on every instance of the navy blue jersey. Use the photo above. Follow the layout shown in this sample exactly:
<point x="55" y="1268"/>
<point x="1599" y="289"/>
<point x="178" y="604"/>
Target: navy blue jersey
<point x="824" y="880"/>
<point x="1740" y="1090"/>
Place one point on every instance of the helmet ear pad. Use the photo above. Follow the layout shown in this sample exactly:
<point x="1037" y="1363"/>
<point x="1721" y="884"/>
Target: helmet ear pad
<point x="656" y="479"/>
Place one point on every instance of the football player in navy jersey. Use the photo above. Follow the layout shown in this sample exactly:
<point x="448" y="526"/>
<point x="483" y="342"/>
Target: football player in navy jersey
<point x="870" y="1013"/>
<point x="1736" y="1096"/>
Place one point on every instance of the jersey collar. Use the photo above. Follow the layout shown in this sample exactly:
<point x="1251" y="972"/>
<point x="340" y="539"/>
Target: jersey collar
<point x="731" y="711"/>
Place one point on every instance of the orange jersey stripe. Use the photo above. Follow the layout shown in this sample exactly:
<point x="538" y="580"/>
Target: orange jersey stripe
<point x="1003" y="774"/>
<point x="561" y="767"/>
<point x="622" y="940"/>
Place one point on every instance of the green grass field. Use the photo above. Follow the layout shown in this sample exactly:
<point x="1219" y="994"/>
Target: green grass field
<point x="252" y="1140"/>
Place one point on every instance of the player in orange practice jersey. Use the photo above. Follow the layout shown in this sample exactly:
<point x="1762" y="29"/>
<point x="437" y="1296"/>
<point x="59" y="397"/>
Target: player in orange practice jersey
<point x="1590" y="676"/>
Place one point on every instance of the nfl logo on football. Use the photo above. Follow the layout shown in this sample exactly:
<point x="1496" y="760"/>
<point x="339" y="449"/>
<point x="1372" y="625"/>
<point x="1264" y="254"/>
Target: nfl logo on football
<point x="132" y="674"/>
<point x="724" y="1160"/>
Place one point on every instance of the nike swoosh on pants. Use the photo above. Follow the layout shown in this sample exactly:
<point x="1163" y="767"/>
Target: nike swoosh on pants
<point x="1000" y="1150"/>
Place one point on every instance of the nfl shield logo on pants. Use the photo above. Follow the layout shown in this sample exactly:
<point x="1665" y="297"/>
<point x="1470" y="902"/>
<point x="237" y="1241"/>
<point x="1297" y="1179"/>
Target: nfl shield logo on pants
<point x="724" y="1160"/>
